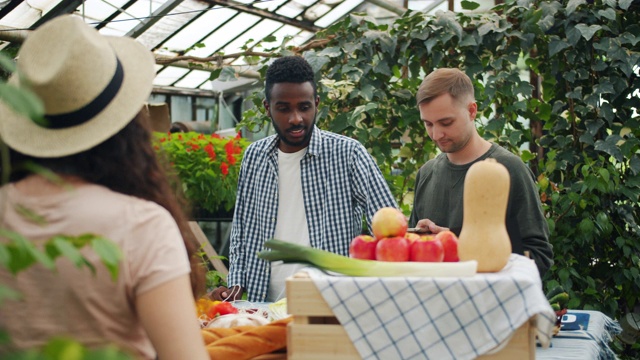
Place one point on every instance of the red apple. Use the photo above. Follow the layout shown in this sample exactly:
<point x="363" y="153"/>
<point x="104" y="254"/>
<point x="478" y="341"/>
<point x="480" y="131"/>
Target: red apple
<point x="388" y="222"/>
<point x="427" y="248"/>
<point x="363" y="247"/>
<point x="449" y="241"/>
<point x="392" y="249"/>
<point x="411" y="237"/>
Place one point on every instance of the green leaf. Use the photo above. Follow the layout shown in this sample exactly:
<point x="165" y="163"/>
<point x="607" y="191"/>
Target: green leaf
<point x="367" y="92"/>
<point x="62" y="348"/>
<point x="7" y="293"/>
<point x="23" y="253"/>
<point x="382" y="38"/>
<point x="7" y="63"/>
<point x="23" y="102"/>
<point x="109" y="253"/>
<point x="624" y="4"/>
<point x="634" y="163"/>
<point x="228" y="73"/>
<point x="66" y="249"/>
<point x="609" y="146"/>
<point x="588" y="31"/>
<point x="573" y="5"/>
<point x="556" y="46"/>
<point x="315" y="60"/>
<point x="215" y="74"/>
<point x="469" y="5"/>
<point x="607" y="13"/>
<point x="269" y="38"/>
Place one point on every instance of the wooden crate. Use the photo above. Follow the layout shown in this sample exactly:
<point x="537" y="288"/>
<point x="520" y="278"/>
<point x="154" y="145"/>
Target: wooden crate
<point x="315" y="333"/>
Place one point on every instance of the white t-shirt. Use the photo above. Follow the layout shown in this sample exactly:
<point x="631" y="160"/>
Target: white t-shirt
<point x="291" y="224"/>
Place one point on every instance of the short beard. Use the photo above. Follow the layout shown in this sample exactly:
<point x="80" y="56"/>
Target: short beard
<point x="304" y="141"/>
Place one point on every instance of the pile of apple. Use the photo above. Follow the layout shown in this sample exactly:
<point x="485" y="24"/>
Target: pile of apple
<point x="392" y="242"/>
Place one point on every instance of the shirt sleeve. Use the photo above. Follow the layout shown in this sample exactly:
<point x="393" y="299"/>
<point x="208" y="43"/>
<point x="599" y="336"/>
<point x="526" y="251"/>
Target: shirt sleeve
<point x="413" y="218"/>
<point x="371" y="189"/>
<point x="237" y="263"/>
<point x="531" y="223"/>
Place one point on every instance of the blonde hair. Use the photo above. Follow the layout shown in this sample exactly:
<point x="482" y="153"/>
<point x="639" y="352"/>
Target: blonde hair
<point x="445" y="81"/>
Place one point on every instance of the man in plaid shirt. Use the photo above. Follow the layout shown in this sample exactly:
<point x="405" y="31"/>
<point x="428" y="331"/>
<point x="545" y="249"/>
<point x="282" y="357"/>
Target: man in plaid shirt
<point x="303" y="185"/>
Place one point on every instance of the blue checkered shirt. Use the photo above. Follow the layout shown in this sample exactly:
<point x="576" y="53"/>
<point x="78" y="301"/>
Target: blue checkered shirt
<point x="340" y="184"/>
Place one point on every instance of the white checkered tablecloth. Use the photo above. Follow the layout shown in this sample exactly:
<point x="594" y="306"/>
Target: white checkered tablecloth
<point x="437" y="318"/>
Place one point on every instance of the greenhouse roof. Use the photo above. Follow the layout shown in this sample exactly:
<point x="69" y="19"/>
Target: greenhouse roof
<point x="200" y="28"/>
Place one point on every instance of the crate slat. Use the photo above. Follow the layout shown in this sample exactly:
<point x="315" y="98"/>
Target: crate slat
<point x="315" y="334"/>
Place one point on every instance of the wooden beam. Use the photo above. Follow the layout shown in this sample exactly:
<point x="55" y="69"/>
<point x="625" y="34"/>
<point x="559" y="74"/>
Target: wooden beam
<point x="208" y="249"/>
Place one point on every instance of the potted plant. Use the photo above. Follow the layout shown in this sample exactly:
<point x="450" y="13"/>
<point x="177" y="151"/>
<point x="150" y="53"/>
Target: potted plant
<point x="207" y="167"/>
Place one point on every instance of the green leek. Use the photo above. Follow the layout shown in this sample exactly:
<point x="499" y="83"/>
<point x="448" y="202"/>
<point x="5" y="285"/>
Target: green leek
<point x="292" y="253"/>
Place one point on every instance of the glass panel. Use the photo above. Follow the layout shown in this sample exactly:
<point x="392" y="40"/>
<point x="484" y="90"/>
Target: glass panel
<point x="290" y="10"/>
<point x="202" y="26"/>
<point x="269" y="5"/>
<point x="206" y="108"/>
<point x="169" y="75"/>
<point x="256" y="33"/>
<point x="95" y="10"/>
<point x="166" y="27"/>
<point x="194" y="79"/>
<point x="27" y="13"/>
<point x="226" y="33"/>
<point x="181" y="108"/>
<point x="157" y="98"/>
<point x="337" y="12"/>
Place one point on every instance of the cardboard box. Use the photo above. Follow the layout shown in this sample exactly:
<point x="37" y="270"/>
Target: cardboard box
<point x="315" y="333"/>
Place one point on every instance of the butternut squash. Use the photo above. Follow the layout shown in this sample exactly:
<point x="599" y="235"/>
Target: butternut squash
<point x="484" y="234"/>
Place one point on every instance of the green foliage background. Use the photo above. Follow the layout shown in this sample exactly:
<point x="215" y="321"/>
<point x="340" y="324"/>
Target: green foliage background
<point x="583" y="59"/>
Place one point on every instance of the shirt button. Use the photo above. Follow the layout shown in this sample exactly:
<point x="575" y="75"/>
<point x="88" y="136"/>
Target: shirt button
<point x="273" y="219"/>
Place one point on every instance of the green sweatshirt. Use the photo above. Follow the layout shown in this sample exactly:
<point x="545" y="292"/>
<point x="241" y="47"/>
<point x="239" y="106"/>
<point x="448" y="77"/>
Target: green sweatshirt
<point x="438" y="197"/>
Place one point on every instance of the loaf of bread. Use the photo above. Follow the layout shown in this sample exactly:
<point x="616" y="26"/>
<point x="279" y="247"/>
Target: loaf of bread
<point x="212" y="334"/>
<point x="256" y="341"/>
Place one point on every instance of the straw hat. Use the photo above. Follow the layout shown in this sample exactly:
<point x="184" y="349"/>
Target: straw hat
<point x="91" y="85"/>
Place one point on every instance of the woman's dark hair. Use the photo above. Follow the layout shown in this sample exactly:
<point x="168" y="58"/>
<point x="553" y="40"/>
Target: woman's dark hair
<point x="289" y="69"/>
<point x="126" y="163"/>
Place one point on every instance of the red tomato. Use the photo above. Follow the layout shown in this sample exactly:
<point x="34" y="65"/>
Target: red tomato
<point x="222" y="308"/>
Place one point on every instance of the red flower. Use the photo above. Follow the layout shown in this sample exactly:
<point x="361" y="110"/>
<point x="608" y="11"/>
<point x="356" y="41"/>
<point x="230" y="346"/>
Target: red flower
<point x="231" y="159"/>
<point x="215" y="136"/>
<point x="201" y="137"/>
<point x="228" y="147"/>
<point x="238" y="135"/>
<point x="195" y="146"/>
<point x="209" y="149"/>
<point x="224" y="167"/>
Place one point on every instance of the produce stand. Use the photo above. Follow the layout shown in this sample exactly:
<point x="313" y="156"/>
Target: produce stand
<point x="315" y="333"/>
<point x="499" y="320"/>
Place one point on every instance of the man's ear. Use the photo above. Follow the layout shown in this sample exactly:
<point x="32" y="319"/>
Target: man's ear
<point x="473" y="110"/>
<point x="317" y="102"/>
<point x="266" y="106"/>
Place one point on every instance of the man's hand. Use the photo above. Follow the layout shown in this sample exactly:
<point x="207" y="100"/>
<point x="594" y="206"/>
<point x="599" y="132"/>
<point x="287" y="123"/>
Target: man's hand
<point x="430" y="227"/>
<point x="225" y="294"/>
